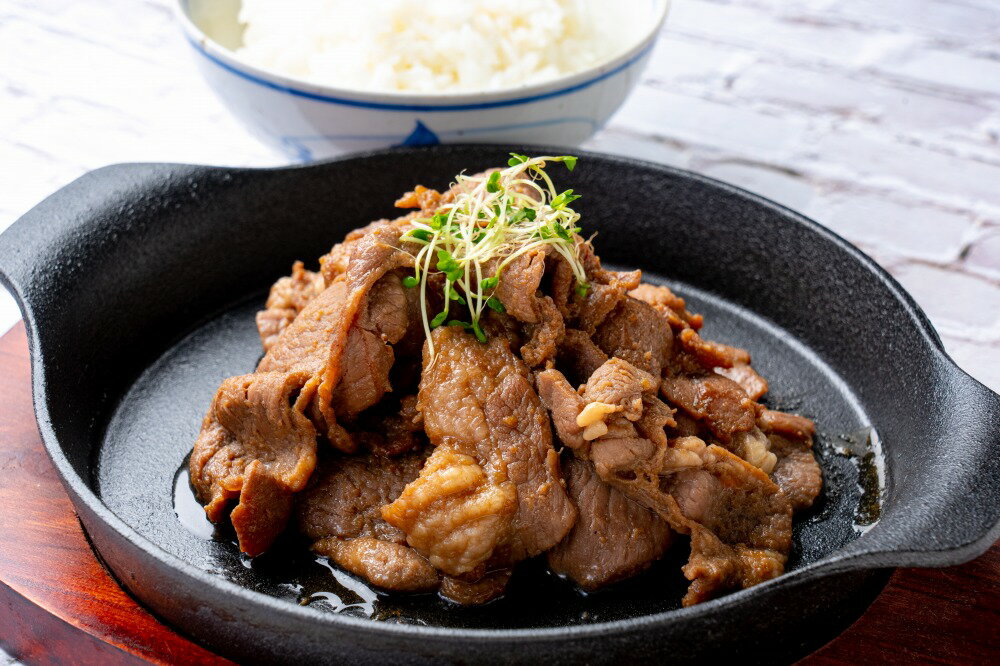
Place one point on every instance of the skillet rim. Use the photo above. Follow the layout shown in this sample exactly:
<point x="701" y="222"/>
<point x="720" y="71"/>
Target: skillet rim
<point x="839" y="561"/>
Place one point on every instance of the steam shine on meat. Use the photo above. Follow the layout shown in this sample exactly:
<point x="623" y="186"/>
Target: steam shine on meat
<point x="590" y="428"/>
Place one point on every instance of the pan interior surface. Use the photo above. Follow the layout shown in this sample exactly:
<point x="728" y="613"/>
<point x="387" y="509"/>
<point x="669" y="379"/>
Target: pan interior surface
<point x="139" y="471"/>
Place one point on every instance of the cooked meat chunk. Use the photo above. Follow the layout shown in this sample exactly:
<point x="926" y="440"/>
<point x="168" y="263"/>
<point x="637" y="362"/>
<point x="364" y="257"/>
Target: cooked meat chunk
<point x="711" y="354"/>
<point x="789" y="425"/>
<point x="637" y="333"/>
<point x="391" y="433"/>
<point x="718" y="402"/>
<point x="620" y="384"/>
<point x="385" y="564"/>
<point x="454" y="513"/>
<point x="287" y="299"/>
<point x="613" y="538"/>
<point x="747" y="378"/>
<point x="606" y="289"/>
<point x="669" y="304"/>
<point x="739" y="521"/>
<point x="255" y="444"/>
<point x="729" y="506"/>
<point x="518" y="291"/>
<point x="491" y="490"/>
<point x="346" y="495"/>
<point x="564" y="405"/>
<point x="341" y="511"/>
<point x="797" y="473"/>
<point x="579" y="356"/>
<point x="477" y="590"/>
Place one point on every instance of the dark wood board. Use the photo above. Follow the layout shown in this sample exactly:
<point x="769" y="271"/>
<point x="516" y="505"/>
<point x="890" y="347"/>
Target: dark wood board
<point x="59" y="605"/>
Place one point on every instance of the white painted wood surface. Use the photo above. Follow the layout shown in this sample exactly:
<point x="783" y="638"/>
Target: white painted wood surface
<point x="879" y="118"/>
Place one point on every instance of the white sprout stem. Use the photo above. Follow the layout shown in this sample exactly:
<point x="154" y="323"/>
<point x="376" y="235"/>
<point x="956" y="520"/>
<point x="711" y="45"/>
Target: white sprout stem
<point x="480" y="226"/>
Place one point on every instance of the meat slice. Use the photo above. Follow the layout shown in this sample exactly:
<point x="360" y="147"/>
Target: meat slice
<point x="519" y="291"/>
<point x="346" y="495"/>
<point x="614" y="537"/>
<point x="255" y="444"/>
<point x="739" y="520"/>
<point x="454" y="513"/>
<point x="341" y="512"/>
<point x="669" y="304"/>
<point x="288" y="297"/>
<point x="637" y="333"/>
<point x="564" y="405"/>
<point x="606" y="290"/>
<point x="711" y="354"/>
<point x="385" y="564"/>
<point x="346" y="332"/>
<point x="796" y="472"/>
<point x="579" y="356"/>
<point x="748" y="379"/>
<point x="717" y="401"/>
<point x="491" y="494"/>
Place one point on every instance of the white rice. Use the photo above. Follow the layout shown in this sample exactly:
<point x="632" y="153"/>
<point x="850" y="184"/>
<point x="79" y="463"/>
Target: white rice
<point x="428" y="46"/>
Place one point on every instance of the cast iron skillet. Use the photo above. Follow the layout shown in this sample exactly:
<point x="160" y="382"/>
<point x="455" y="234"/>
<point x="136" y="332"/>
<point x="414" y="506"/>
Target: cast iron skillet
<point x="138" y="285"/>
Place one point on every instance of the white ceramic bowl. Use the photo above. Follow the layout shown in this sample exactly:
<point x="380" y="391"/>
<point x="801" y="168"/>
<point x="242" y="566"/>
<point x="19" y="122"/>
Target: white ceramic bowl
<point x="309" y="121"/>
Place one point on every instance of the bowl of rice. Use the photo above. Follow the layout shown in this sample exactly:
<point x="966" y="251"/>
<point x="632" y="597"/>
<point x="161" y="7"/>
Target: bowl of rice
<point x="318" y="78"/>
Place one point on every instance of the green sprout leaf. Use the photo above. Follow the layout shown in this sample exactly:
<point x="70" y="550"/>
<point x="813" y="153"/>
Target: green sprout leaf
<point x="493" y="184"/>
<point x="410" y="281"/>
<point x="495" y="304"/>
<point x="439" y="319"/>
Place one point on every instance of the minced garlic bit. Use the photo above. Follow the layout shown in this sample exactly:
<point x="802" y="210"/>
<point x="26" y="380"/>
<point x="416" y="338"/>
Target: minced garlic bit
<point x="594" y="412"/>
<point x="595" y="430"/>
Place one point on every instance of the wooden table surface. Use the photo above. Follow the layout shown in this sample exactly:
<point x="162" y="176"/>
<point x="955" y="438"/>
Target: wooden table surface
<point x="59" y="605"/>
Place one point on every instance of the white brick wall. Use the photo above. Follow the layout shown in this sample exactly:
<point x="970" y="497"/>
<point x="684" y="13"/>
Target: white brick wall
<point x="879" y="118"/>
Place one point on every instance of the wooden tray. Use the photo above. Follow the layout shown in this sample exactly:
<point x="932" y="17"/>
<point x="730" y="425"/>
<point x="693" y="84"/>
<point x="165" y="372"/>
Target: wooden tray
<point x="59" y="604"/>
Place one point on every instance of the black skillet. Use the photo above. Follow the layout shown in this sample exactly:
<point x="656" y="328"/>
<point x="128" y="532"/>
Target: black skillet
<point x="139" y="282"/>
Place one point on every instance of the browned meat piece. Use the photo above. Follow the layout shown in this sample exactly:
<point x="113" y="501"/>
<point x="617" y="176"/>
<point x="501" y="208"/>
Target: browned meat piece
<point x="672" y="306"/>
<point x="718" y="402"/>
<point x="620" y="384"/>
<point x="711" y="354"/>
<point x="347" y="493"/>
<point x="352" y="344"/>
<point x="747" y="378"/>
<point x="346" y="332"/>
<point x="789" y="425"/>
<point x="341" y="511"/>
<point x="797" y="473"/>
<point x="578" y="356"/>
<point x="564" y="405"/>
<point x="518" y="290"/>
<point x="491" y="492"/>
<point x="475" y="592"/>
<point x="454" y="513"/>
<point x="288" y="297"/>
<point x="255" y="444"/>
<point x="638" y="334"/>
<point x="384" y="564"/>
<point x="606" y="290"/>
<point x="391" y="434"/>
<point x="422" y="198"/>
<point x="613" y="538"/>
<point x="739" y="521"/>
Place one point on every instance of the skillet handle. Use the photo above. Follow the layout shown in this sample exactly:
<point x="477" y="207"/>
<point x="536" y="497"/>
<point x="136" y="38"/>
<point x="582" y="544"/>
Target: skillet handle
<point x="957" y="516"/>
<point x="45" y="252"/>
